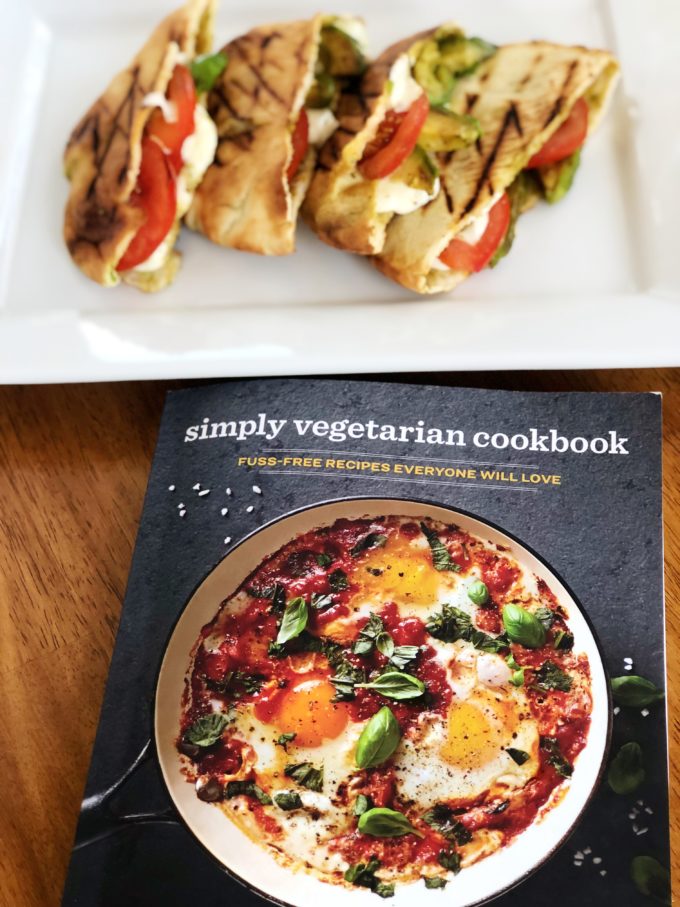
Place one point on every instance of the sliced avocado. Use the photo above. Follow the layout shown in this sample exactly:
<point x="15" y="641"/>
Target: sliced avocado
<point x="418" y="171"/>
<point x="448" y="131"/>
<point x="446" y="57"/>
<point x="522" y="192"/>
<point x="339" y="53"/>
<point x="432" y="76"/>
<point x="322" y="93"/>
<point x="556" y="179"/>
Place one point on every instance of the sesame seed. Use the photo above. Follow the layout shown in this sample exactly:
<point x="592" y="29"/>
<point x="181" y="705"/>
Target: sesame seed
<point x="578" y="863"/>
<point x="603" y="872"/>
<point x="171" y="487"/>
<point x="587" y="850"/>
<point x="179" y="506"/>
<point x="257" y="489"/>
<point x="639" y="802"/>
<point x="597" y="860"/>
<point x="649" y="810"/>
<point x="197" y="486"/>
<point x="644" y="713"/>
<point x="628" y="667"/>
<point x="628" y="661"/>
<point x="224" y="511"/>
<point x="250" y="509"/>
<point x="643" y="831"/>
<point x="227" y="540"/>
<point x="578" y="855"/>
<point x="616" y="710"/>
<point x="204" y="492"/>
<point x="635" y="828"/>
<point x="228" y="491"/>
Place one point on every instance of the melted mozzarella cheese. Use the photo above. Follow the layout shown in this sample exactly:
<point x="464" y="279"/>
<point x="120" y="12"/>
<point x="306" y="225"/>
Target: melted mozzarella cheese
<point x="158" y="99"/>
<point x="474" y="230"/>
<point x="355" y="28"/>
<point x="405" y="89"/>
<point x="393" y="196"/>
<point x="322" y="125"/>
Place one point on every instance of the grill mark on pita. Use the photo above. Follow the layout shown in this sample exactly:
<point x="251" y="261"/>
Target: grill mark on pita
<point x="223" y="100"/>
<point x="450" y="204"/>
<point x="525" y="81"/>
<point x="470" y="101"/>
<point x="485" y="75"/>
<point x="559" y="103"/>
<point x="269" y="38"/>
<point x="509" y="119"/>
<point x="478" y="145"/>
<point x="257" y="75"/>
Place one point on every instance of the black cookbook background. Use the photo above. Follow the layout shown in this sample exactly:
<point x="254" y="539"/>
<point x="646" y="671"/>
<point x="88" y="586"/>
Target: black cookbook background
<point x="599" y="529"/>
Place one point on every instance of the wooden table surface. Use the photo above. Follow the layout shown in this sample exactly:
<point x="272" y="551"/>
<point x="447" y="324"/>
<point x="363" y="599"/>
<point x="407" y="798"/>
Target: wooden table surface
<point x="74" y="462"/>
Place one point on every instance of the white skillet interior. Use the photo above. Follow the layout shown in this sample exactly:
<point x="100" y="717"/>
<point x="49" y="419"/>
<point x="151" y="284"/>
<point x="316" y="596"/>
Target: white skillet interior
<point x="250" y="862"/>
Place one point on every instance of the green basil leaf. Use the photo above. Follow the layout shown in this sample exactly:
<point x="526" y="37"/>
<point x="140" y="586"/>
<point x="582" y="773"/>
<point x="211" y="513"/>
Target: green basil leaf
<point x="396" y="685"/>
<point x="441" y="559"/>
<point x="306" y="775"/>
<point x="385" y="644"/>
<point x="563" y="640"/>
<point x="486" y="643"/>
<point x="523" y="627"/>
<point x="381" y="822"/>
<point x="361" y="804"/>
<point x="324" y="560"/>
<point x="551" y="677"/>
<point x="435" y="882"/>
<point x="287" y="800"/>
<point x="207" y="730"/>
<point x="379" y="739"/>
<point x="246" y="789"/>
<point x="368" y="635"/>
<point x="207" y="68"/>
<point x="384" y="889"/>
<point x="450" y="860"/>
<point x="285" y="739"/>
<point x="363" y="874"/>
<point x="443" y="820"/>
<point x="450" y="624"/>
<point x="294" y="620"/>
<point x="402" y="655"/>
<point x="372" y="540"/>
<point x="338" y="581"/>
<point x="651" y="878"/>
<point x="626" y="772"/>
<point x="517" y="679"/>
<point x="346" y="677"/>
<point x="555" y="758"/>
<point x="517" y="756"/>
<point x="545" y="616"/>
<point x="635" y="692"/>
<point x="318" y="601"/>
<point x="478" y="592"/>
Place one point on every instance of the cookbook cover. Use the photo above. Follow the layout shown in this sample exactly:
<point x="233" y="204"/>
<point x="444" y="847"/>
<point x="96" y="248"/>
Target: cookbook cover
<point x="392" y="641"/>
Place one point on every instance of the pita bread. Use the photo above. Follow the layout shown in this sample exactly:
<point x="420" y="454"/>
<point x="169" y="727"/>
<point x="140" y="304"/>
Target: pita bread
<point x="520" y="96"/>
<point x="103" y="154"/>
<point x="244" y="200"/>
<point x="340" y="205"/>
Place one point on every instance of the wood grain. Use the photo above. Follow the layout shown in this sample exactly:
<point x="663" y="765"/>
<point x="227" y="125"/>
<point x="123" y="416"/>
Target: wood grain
<point x="74" y="461"/>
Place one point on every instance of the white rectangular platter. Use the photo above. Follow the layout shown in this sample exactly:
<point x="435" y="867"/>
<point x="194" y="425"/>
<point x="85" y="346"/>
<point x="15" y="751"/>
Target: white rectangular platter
<point x="593" y="282"/>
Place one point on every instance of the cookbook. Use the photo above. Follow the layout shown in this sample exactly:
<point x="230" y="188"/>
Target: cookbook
<point x="388" y="641"/>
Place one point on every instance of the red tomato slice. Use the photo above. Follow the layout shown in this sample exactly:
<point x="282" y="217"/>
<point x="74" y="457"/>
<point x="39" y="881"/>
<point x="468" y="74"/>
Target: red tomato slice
<point x="462" y="256"/>
<point x="570" y="136"/>
<point x="156" y="195"/>
<point x="397" y="137"/>
<point x="182" y="94"/>
<point x="300" y="144"/>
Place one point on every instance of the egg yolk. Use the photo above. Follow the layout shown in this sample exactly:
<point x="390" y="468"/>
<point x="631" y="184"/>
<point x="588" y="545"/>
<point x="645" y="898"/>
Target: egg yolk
<point x="398" y="572"/>
<point x="476" y="733"/>
<point x="308" y="711"/>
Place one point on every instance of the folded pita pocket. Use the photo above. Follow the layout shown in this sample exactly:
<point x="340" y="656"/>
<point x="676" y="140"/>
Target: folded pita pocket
<point x="103" y="155"/>
<point x="247" y="199"/>
<point x="345" y="209"/>
<point x="520" y="96"/>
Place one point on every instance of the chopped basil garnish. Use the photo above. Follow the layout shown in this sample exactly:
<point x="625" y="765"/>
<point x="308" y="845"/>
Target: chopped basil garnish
<point x="285" y="739"/>
<point x="443" y="820"/>
<point x="363" y="874"/>
<point x="523" y="627"/>
<point x="451" y="624"/>
<point x="324" y="560"/>
<point x="441" y="559"/>
<point x="478" y="592"/>
<point x="338" y="581"/>
<point x="402" y="655"/>
<point x="372" y="540"/>
<point x="635" y="692"/>
<point x="627" y="771"/>
<point x="279" y="598"/>
<point x="651" y="878"/>
<point x="435" y="882"/>
<point x="379" y="739"/>
<point x="551" y="677"/>
<point x="294" y="620"/>
<point x="563" y="640"/>
<point x="306" y="775"/>
<point x="396" y="685"/>
<point x="287" y="800"/>
<point x="381" y="822"/>
<point x="555" y="758"/>
<point x="517" y="756"/>
<point x="346" y="677"/>
<point x="318" y="601"/>
<point x="207" y="730"/>
<point x="385" y="644"/>
<point x="368" y="635"/>
<point x="246" y="789"/>
<point x="450" y="860"/>
<point x="546" y="617"/>
<point x="250" y="683"/>
<point x="207" y="68"/>
<point x="361" y="804"/>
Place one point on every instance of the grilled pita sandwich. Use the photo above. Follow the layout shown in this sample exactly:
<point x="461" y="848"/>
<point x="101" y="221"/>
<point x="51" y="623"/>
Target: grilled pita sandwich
<point x="535" y="104"/>
<point x="135" y="158"/>
<point x="274" y="106"/>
